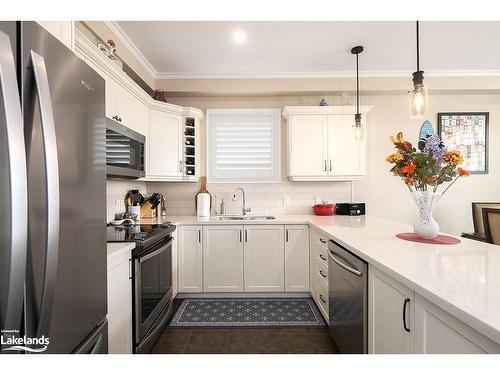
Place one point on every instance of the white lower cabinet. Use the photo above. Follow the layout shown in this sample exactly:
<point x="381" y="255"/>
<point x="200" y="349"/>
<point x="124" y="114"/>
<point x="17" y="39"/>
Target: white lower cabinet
<point x="223" y="258"/>
<point x="401" y="321"/>
<point x="437" y="332"/>
<point x="190" y="255"/>
<point x="264" y="258"/>
<point x="119" y="305"/>
<point x="390" y="315"/>
<point x="318" y="271"/>
<point x="296" y="258"/>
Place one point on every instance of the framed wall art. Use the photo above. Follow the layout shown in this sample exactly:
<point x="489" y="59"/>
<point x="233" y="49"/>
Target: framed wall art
<point x="466" y="132"/>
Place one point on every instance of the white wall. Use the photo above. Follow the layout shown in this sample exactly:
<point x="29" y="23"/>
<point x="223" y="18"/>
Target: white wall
<point x="384" y="194"/>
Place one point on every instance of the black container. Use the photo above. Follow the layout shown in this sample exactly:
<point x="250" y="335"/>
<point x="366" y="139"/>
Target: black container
<point x="351" y="209"/>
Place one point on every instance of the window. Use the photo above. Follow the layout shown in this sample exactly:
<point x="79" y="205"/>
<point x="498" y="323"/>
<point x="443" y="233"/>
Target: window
<point x="243" y="145"/>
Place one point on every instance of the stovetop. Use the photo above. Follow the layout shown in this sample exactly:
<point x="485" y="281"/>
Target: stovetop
<point x="143" y="235"/>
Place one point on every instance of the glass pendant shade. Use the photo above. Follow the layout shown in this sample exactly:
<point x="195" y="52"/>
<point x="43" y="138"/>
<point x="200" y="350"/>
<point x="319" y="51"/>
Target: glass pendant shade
<point x="418" y="102"/>
<point x="358" y="127"/>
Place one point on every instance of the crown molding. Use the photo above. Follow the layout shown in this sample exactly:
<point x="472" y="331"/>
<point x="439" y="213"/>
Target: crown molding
<point x="333" y="74"/>
<point x="131" y="47"/>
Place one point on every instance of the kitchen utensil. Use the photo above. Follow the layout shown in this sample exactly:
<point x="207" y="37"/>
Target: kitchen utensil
<point x="324" y="209"/>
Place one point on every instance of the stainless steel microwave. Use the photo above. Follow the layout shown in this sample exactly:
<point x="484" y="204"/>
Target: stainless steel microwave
<point x="124" y="151"/>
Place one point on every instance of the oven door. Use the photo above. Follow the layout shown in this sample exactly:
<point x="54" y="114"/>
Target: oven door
<point x="152" y="286"/>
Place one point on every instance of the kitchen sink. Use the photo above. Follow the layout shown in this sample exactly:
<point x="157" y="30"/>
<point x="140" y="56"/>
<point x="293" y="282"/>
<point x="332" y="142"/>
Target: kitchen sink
<point x="240" y="218"/>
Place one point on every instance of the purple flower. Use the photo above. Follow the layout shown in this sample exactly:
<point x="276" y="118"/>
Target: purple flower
<point x="434" y="148"/>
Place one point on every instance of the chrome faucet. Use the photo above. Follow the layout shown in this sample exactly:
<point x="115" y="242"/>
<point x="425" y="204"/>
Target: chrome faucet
<point x="244" y="210"/>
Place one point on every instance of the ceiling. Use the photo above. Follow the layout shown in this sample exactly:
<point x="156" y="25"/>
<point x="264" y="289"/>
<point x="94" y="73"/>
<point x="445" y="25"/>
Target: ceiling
<point x="310" y="49"/>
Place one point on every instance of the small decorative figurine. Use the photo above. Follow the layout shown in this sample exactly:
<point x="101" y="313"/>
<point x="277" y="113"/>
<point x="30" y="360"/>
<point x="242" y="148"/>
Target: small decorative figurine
<point x="323" y="103"/>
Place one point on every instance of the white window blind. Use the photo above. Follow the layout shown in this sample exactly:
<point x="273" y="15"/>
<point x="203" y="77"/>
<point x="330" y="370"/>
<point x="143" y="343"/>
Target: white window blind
<point x="243" y="145"/>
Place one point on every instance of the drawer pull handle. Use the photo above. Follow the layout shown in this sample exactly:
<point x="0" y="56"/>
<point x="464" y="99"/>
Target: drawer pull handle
<point x="321" y="273"/>
<point x="322" y="256"/>
<point x="322" y="240"/>
<point x="321" y="298"/>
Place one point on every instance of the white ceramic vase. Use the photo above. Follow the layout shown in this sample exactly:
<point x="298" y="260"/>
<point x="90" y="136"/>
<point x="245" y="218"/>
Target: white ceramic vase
<point x="425" y="227"/>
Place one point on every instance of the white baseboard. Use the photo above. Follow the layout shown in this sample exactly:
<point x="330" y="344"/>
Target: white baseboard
<point x="242" y="295"/>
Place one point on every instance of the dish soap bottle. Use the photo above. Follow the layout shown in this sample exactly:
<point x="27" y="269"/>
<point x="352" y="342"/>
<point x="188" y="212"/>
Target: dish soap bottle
<point x="203" y="199"/>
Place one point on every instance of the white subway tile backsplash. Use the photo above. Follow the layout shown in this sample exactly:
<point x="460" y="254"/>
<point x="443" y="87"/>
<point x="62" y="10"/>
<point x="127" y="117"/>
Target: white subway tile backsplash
<point x="263" y="199"/>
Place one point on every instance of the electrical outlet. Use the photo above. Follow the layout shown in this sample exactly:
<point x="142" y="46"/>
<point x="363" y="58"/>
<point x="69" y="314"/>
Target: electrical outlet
<point x="286" y="200"/>
<point x="318" y="200"/>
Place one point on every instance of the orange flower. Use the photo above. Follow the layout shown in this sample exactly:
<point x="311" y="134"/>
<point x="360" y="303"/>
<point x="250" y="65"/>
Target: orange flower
<point x="453" y="158"/>
<point x="409" y="168"/>
<point x="463" y="172"/>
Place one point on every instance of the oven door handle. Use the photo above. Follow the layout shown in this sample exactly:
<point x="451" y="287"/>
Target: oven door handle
<point x="156" y="252"/>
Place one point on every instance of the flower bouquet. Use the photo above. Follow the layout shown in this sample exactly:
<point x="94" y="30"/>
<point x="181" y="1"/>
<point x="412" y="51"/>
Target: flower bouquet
<point x="423" y="171"/>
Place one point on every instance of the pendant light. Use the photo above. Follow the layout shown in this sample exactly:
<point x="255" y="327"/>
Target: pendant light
<point x="418" y="96"/>
<point x="358" y="129"/>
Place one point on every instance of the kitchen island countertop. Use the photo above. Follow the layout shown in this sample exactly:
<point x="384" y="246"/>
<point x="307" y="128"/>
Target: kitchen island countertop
<point x="462" y="279"/>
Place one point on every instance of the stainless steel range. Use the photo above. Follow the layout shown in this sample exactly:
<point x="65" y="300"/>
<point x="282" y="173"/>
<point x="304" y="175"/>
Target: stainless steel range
<point x="151" y="279"/>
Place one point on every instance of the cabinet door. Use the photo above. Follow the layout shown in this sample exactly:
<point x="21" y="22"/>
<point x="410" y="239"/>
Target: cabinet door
<point x="120" y="309"/>
<point x="223" y="258"/>
<point x="165" y="145"/>
<point x="386" y="308"/>
<point x="190" y="259"/>
<point x="437" y="332"/>
<point x="296" y="258"/>
<point x="307" y="145"/>
<point x="264" y="258"/>
<point x="345" y="153"/>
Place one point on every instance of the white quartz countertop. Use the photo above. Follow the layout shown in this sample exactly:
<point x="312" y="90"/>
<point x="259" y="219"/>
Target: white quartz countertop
<point x="462" y="279"/>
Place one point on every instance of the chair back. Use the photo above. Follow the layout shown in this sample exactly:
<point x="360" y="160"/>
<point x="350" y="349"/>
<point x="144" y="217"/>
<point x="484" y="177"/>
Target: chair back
<point x="491" y="220"/>
<point x="477" y="214"/>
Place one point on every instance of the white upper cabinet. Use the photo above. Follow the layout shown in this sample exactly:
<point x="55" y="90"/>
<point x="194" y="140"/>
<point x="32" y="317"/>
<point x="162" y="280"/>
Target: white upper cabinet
<point x="123" y="107"/>
<point x="164" y="149"/>
<point x="296" y="258"/>
<point x="223" y="258"/>
<point x="346" y="154"/>
<point x="172" y="132"/>
<point x="264" y="258"/>
<point x="322" y="145"/>
<point x="307" y="151"/>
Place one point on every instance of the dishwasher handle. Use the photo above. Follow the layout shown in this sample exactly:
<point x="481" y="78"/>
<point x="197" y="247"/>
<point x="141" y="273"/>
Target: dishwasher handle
<point x="345" y="266"/>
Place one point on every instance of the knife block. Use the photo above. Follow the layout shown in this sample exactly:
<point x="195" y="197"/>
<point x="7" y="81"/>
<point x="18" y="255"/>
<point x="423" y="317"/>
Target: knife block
<point x="147" y="212"/>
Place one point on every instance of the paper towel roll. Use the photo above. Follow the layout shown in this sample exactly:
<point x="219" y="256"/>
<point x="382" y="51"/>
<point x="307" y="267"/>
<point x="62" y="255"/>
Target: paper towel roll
<point x="203" y="205"/>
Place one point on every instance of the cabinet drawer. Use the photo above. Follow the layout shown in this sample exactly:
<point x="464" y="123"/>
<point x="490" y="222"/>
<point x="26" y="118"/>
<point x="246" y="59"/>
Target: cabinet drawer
<point x="321" y="271"/>
<point x="318" y="241"/>
<point x="322" y="297"/>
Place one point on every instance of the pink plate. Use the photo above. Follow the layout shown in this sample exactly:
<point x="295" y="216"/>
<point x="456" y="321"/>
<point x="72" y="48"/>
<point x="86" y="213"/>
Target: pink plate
<point x="439" y="240"/>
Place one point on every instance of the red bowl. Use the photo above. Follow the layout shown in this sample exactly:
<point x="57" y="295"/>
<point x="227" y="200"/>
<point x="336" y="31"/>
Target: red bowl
<point x="324" y="209"/>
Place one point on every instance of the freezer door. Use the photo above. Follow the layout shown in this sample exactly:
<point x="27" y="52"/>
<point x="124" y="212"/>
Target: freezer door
<point x="13" y="187"/>
<point x="64" y="119"/>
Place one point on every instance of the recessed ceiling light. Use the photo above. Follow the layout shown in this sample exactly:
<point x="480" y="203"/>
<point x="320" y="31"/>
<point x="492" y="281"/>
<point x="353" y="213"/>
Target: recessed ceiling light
<point x="239" y="37"/>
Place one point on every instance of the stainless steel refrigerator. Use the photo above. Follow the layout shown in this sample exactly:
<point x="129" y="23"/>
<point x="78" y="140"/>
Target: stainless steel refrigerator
<point x="52" y="195"/>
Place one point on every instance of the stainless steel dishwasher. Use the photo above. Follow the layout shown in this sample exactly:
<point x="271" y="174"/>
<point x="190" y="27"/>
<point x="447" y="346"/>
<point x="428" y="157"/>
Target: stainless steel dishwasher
<point x="348" y="299"/>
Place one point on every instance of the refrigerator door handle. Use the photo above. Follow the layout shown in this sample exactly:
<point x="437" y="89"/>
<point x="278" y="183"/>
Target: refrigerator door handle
<point x="12" y="294"/>
<point x="52" y="193"/>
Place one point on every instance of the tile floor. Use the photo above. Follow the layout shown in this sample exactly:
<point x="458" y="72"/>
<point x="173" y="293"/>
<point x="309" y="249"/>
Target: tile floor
<point x="243" y="340"/>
